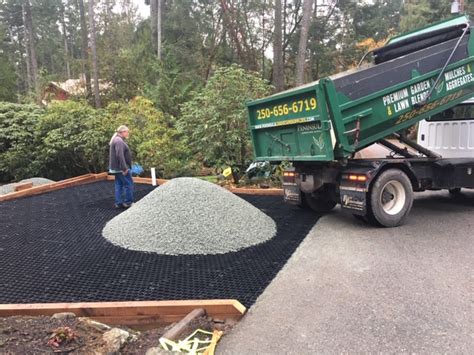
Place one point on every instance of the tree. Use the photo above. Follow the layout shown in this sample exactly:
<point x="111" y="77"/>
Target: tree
<point x="84" y="46"/>
<point x="158" y="28"/>
<point x="278" y="70"/>
<point x="301" y="57"/>
<point x="31" y="47"/>
<point x="8" y="79"/>
<point x="65" y="39"/>
<point x="7" y="71"/>
<point x="419" y="13"/>
<point x="214" y="122"/>
<point x="153" y="23"/>
<point x="156" y="9"/>
<point x="95" y="69"/>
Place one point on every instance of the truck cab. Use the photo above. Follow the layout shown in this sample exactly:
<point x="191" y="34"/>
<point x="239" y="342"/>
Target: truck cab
<point x="451" y="132"/>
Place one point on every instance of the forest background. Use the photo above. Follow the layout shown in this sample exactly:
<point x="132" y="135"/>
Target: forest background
<point x="178" y="76"/>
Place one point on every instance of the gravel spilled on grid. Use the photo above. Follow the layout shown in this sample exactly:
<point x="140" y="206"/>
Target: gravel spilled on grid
<point x="190" y="216"/>
<point x="8" y="188"/>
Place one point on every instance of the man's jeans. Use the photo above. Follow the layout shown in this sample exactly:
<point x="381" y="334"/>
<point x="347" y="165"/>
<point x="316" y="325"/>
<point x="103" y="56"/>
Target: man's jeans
<point x="123" y="183"/>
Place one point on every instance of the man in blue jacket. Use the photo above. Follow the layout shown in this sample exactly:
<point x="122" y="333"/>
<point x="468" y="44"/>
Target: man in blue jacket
<point x="120" y="164"/>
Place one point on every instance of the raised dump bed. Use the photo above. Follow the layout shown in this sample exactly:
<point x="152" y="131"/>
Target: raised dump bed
<point x="417" y="75"/>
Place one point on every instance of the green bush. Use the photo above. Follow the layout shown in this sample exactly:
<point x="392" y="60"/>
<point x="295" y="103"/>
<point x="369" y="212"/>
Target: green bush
<point x="70" y="144"/>
<point x="153" y="142"/>
<point x="71" y="138"/>
<point x="214" y="122"/>
<point x="18" y="140"/>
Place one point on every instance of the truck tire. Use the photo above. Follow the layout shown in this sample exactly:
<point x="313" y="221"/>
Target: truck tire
<point x="320" y="203"/>
<point x="391" y="199"/>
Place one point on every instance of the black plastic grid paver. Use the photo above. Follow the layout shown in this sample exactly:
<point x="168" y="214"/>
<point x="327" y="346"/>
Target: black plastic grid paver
<point x="52" y="250"/>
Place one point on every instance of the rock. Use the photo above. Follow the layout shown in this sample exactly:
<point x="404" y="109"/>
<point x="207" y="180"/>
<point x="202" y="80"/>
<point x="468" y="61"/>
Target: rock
<point x="218" y="320"/>
<point x="97" y="325"/>
<point x="114" y="339"/>
<point x="63" y="315"/>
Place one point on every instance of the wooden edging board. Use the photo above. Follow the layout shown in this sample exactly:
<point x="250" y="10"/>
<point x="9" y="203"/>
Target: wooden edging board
<point x="261" y="192"/>
<point x="79" y="180"/>
<point x="134" y="313"/>
<point x="88" y="178"/>
<point x="235" y="190"/>
<point x="141" y="180"/>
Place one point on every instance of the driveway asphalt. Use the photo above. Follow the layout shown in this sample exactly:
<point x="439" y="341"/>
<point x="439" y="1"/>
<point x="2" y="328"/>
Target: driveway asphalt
<point x="350" y="287"/>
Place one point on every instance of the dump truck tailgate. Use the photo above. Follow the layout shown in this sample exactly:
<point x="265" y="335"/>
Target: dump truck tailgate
<point x="294" y="126"/>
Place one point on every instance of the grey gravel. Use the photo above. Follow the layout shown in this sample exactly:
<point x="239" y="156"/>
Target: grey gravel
<point x="190" y="216"/>
<point x="8" y="188"/>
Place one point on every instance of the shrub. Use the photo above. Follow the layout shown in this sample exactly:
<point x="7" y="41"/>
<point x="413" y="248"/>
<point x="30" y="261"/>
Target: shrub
<point x="153" y="143"/>
<point x="18" y="140"/>
<point x="71" y="138"/>
<point x="70" y="145"/>
<point x="214" y="122"/>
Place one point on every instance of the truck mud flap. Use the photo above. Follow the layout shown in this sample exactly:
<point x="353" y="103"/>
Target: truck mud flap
<point x="292" y="194"/>
<point x="354" y="200"/>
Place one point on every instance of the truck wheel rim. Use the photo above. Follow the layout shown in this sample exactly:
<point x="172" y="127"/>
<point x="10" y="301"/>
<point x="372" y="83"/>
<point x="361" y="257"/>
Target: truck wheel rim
<point x="393" y="197"/>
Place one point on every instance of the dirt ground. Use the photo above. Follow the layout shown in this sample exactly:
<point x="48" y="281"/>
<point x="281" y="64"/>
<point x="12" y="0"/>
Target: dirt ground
<point x="21" y="335"/>
<point x="26" y="335"/>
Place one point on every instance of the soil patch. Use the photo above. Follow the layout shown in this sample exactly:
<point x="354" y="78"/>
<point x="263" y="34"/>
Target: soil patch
<point x="26" y="335"/>
<point x="22" y="335"/>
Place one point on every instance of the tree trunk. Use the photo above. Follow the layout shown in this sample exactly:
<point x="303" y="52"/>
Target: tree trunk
<point x="29" y="81"/>
<point x="85" y="56"/>
<point x="153" y="24"/>
<point x="95" y="69"/>
<point x="278" y="70"/>
<point x="66" y="49"/>
<point x="301" y="57"/>
<point x="284" y="34"/>
<point x="158" y="27"/>
<point x="31" y="48"/>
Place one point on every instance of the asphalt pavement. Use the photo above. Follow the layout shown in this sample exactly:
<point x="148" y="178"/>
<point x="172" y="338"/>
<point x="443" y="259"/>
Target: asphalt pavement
<point x="354" y="288"/>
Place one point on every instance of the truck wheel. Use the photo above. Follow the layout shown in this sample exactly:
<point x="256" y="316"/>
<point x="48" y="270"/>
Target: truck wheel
<point x="319" y="203"/>
<point x="391" y="198"/>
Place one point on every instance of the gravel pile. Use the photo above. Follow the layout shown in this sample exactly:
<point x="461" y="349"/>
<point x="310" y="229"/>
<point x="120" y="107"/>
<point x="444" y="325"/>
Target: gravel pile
<point x="8" y="188"/>
<point x="190" y="216"/>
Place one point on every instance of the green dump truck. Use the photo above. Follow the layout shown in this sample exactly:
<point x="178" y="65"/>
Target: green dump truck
<point x="320" y="127"/>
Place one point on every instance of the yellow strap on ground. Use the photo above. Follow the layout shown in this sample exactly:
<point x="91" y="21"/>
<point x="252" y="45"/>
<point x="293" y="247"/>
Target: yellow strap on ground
<point x="216" y="335"/>
<point x="192" y="344"/>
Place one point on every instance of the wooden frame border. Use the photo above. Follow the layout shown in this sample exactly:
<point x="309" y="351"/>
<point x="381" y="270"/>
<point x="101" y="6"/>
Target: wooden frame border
<point x="141" y="180"/>
<point x="134" y="313"/>
<point x="260" y="192"/>
<point x="235" y="190"/>
<point x="36" y="190"/>
<point x="88" y="178"/>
